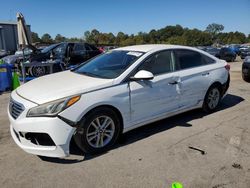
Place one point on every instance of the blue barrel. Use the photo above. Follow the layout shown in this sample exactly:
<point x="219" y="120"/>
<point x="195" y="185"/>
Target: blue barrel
<point x="5" y="77"/>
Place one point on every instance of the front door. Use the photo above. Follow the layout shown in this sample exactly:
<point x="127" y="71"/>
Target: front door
<point x="159" y="96"/>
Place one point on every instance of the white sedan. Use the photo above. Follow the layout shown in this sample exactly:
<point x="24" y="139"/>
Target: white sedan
<point x="111" y="94"/>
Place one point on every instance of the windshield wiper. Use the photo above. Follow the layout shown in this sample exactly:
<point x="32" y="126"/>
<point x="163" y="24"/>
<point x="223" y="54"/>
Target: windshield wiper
<point x="92" y="75"/>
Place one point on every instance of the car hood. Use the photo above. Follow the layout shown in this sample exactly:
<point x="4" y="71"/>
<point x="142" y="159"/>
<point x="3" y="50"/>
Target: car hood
<point x="59" y="85"/>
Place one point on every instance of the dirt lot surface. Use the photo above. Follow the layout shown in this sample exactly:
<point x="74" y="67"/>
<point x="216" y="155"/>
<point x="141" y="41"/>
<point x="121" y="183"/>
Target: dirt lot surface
<point x="152" y="156"/>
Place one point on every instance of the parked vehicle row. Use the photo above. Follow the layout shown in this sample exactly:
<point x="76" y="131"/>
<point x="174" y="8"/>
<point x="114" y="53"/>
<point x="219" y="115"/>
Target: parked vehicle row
<point x="224" y="53"/>
<point x="111" y="94"/>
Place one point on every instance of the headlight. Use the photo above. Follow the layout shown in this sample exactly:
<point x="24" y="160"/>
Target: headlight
<point x="52" y="108"/>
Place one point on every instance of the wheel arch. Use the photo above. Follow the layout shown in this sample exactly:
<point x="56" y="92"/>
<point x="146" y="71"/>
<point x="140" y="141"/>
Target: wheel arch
<point x="77" y="137"/>
<point x="216" y="83"/>
<point x="116" y="110"/>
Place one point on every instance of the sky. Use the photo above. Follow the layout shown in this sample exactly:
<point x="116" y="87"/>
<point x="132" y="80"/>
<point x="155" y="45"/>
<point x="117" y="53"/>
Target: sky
<point x="73" y="18"/>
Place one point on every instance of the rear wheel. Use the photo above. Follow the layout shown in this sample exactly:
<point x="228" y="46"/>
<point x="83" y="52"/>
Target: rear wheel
<point x="99" y="131"/>
<point x="245" y="78"/>
<point x="212" y="99"/>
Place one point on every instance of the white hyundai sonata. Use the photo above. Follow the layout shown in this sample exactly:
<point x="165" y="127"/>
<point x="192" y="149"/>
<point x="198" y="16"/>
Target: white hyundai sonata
<point x="111" y="94"/>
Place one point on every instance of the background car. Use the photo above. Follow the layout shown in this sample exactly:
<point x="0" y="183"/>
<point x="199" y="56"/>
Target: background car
<point x="3" y="53"/>
<point x="70" y="53"/>
<point x="227" y="54"/>
<point x="245" y="52"/>
<point x="235" y="48"/>
<point x="213" y="51"/>
<point x="246" y="69"/>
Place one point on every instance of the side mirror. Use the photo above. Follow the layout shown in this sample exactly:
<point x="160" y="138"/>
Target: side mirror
<point x="142" y="75"/>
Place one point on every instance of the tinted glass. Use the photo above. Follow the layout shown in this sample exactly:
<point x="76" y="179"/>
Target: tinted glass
<point x="158" y="64"/>
<point x="188" y="59"/>
<point x="79" y="47"/>
<point x="207" y="60"/>
<point x="87" y="47"/>
<point x="92" y="47"/>
<point x="109" y="65"/>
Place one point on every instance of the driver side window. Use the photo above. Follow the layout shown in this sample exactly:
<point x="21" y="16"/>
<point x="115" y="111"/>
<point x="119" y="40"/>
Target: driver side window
<point x="159" y="63"/>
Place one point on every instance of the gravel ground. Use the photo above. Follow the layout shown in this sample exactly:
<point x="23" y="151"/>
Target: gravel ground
<point x="152" y="156"/>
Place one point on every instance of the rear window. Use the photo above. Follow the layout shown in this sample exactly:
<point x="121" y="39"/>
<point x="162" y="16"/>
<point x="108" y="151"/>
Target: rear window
<point x="90" y="47"/>
<point x="188" y="59"/>
<point x="207" y="60"/>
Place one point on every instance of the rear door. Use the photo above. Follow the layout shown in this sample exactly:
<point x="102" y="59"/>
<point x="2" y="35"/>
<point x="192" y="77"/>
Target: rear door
<point x="194" y="72"/>
<point x="153" y="98"/>
<point x="79" y="54"/>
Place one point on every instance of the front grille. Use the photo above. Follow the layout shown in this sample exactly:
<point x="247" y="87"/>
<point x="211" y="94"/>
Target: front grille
<point x="15" y="108"/>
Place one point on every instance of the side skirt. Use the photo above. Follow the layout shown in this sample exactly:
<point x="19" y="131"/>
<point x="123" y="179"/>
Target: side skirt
<point x="164" y="116"/>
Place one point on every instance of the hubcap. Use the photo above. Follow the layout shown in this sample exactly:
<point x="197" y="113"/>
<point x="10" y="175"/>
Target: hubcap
<point x="100" y="131"/>
<point x="213" y="98"/>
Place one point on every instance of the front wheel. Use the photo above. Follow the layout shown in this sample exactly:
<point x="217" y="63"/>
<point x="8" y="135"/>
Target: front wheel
<point x="38" y="71"/>
<point x="212" y="99"/>
<point x="100" y="129"/>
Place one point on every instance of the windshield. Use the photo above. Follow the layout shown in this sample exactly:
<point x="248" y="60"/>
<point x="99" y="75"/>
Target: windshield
<point x="47" y="49"/>
<point x="109" y="65"/>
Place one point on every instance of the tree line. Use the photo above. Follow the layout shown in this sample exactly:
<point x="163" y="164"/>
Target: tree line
<point x="168" y="35"/>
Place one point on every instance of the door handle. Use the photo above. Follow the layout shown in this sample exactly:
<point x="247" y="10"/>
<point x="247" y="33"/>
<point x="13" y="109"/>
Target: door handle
<point x="205" y="74"/>
<point x="173" y="82"/>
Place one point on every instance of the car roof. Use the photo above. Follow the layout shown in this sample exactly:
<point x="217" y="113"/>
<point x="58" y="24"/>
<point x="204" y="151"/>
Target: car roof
<point x="151" y="47"/>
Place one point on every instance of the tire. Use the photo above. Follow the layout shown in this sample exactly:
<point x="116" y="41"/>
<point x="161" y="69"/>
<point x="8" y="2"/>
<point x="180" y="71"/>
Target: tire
<point x="93" y="139"/>
<point x="38" y="71"/>
<point x="245" y="78"/>
<point x="212" y="98"/>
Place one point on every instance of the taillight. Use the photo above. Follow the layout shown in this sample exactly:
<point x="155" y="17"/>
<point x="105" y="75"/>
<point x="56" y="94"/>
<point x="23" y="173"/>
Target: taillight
<point x="227" y="67"/>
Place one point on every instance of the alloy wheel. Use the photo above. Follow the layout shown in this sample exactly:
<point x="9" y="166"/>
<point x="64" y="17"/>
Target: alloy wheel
<point x="100" y="131"/>
<point x="213" y="98"/>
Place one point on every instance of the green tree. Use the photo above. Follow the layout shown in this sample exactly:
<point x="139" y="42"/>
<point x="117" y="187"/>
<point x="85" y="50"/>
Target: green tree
<point x="120" y="37"/>
<point x="95" y="34"/>
<point x="75" y="39"/>
<point x="214" y="29"/>
<point x="46" y="38"/>
<point x="129" y="41"/>
<point x="232" y="38"/>
<point x="87" y="36"/>
<point x="180" y="40"/>
<point x="60" y="38"/>
<point x="34" y="37"/>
